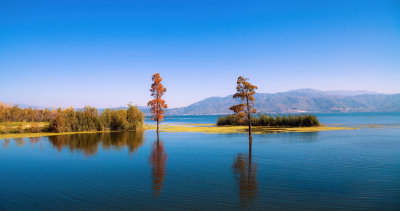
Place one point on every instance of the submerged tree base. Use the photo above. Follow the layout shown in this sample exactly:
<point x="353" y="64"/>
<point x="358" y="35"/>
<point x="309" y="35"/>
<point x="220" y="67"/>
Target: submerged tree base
<point x="213" y="129"/>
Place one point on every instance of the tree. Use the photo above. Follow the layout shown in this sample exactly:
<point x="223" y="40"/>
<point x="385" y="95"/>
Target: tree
<point x="157" y="105"/>
<point x="243" y="111"/>
<point x="134" y="117"/>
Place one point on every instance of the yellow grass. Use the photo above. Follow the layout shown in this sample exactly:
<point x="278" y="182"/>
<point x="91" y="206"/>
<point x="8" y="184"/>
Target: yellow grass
<point x="213" y="129"/>
<point x="380" y="126"/>
<point x="196" y="128"/>
<point x="11" y="125"/>
<point x="8" y="126"/>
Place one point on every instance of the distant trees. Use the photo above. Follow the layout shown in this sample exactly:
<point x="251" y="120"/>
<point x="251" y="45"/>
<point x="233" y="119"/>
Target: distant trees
<point x="245" y="92"/>
<point x="299" y="120"/>
<point x="71" y="120"/>
<point x="157" y="105"/>
<point x="88" y="119"/>
<point x="17" y="114"/>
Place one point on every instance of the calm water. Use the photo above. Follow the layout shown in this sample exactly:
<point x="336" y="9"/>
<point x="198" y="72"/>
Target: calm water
<point x="346" y="119"/>
<point x="353" y="169"/>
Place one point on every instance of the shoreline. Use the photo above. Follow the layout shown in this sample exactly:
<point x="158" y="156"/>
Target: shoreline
<point x="214" y="129"/>
<point x="195" y="128"/>
<point x="42" y="134"/>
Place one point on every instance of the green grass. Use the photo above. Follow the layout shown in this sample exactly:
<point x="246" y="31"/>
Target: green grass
<point x="290" y="120"/>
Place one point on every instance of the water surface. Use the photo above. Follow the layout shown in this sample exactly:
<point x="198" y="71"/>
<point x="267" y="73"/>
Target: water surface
<point x="327" y="170"/>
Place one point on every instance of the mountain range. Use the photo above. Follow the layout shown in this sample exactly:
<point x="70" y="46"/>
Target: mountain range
<point x="294" y="101"/>
<point x="297" y="101"/>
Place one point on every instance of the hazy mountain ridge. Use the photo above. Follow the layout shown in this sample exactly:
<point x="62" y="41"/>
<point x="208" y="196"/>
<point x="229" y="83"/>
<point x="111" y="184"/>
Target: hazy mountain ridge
<point x="294" y="101"/>
<point x="302" y="100"/>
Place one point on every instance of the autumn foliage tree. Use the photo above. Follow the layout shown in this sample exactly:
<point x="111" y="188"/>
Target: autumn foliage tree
<point x="157" y="105"/>
<point x="245" y="92"/>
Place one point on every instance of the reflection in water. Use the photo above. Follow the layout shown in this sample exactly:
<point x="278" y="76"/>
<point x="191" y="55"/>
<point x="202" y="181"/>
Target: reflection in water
<point x="246" y="173"/>
<point x="6" y="143"/>
<point x="19" y="142"/>
<point x="89" y="143"/>
<point x="158" y="161"/>
<point x="36" y="140"/>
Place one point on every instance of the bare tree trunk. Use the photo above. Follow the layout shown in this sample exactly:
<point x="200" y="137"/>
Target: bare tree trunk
<point x="250" y="133"/>
<point x="249" y="119"/>
<point x="158" y="107"/>
<point x="158" y="123"/>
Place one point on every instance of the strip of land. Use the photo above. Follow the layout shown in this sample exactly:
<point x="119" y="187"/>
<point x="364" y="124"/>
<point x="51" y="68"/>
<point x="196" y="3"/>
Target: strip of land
<point x="213" y="129"/>
<point x="22" y="130"/>
<point x="31" y="135"/>
<point x="196" y="128"/>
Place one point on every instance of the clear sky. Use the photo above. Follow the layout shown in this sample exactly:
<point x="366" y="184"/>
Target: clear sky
<point x="103" y="53"/>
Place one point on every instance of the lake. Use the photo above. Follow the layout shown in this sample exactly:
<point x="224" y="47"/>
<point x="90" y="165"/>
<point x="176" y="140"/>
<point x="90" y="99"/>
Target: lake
<point x="327" y="170"/>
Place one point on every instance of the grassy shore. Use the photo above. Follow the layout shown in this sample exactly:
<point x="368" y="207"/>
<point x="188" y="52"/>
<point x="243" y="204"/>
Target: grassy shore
<point x="26" y="135"/>
<point x="196" y="128"/>
<point x="213" y="129"/>
<point x="23" y="127"/>
<point x="30" y="135"/>
<point x="22" y="130"/>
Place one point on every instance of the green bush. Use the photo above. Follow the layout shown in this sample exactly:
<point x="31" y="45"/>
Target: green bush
<point x="300" y="120"/>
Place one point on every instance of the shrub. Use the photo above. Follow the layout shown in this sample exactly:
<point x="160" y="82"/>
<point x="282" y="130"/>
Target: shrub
<point x="71" y="120"/>
<point x="35" y="128"/>
<point x="300" y="120"/>
<point x="89" y="119"/>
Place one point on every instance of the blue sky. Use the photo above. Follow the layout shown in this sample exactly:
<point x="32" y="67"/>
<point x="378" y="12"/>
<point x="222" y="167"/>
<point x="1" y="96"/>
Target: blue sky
<point x="103" y="53"/>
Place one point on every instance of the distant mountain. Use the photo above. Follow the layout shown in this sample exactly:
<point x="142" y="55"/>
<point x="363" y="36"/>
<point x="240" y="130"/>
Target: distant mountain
<point x="350" y="92"/>
<point x="294" y="101"/>
<point x="301" y="100"/>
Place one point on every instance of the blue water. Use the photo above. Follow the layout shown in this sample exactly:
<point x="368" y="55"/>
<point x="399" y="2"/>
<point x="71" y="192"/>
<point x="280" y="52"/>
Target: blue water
<point x="328" y="170"/>
<point x="345" y="119"/>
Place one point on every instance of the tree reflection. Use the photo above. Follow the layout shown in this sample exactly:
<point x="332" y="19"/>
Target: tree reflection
<point x="246" y="174"/>
<point x="19" y="142"/>
<point x="158" y="160"/>
<point x="6" y="143"/>
<point x="35" y="140"/>
<point x="88" y="144"/>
